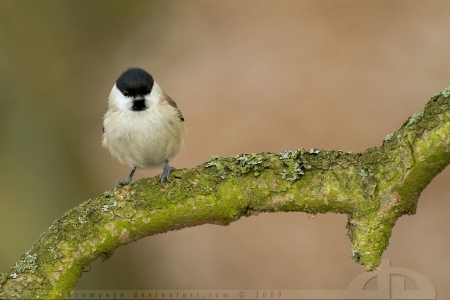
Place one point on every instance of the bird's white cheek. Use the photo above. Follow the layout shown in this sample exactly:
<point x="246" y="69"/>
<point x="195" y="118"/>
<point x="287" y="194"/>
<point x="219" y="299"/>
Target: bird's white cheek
<point x="123" y="103"/>
<point x="117" y="99"/>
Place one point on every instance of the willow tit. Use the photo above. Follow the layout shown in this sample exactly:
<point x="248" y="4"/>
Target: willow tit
<point x="142" y="126"/>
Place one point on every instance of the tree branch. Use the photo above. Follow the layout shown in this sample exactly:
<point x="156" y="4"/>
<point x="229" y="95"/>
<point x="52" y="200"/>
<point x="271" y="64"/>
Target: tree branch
<point x="373" y="188"/>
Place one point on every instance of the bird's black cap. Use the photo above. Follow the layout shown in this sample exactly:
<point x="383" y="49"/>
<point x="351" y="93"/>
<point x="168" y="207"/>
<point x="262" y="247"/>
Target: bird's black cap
<point x="135" y="82"/>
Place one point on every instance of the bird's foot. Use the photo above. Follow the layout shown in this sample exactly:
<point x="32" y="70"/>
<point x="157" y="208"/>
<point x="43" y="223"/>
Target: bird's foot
<point x="166" y="173"/>
<point x="119" y="183"/>
<point x="128" y="180"/>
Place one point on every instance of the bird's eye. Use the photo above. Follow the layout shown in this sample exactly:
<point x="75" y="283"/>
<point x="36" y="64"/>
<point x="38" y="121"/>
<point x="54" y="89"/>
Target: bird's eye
<point x="125" y="93"/>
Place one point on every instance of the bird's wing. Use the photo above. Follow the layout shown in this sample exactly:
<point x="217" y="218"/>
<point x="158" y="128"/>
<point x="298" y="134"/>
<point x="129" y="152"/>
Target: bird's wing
<point x="174" y="105"/>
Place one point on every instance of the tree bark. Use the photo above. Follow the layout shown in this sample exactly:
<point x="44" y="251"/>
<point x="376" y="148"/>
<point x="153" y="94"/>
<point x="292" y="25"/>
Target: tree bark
<point x="373" y="188"/>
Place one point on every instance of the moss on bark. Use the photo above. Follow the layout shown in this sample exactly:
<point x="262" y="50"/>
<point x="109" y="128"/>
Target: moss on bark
<point x="373" y="188"/>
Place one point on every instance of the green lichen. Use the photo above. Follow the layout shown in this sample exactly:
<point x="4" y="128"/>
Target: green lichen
<point x="446" y="92"/>
<point x="294" y="166"/>
<point x="238" y="165"/>
<point x="314" y="151"/>
<point x="107" y="207"/>
<point x="414" y="118"/>
<point x="26" y="264"/>
<point x="365" y="173"/>
<point x="388" y="137"/>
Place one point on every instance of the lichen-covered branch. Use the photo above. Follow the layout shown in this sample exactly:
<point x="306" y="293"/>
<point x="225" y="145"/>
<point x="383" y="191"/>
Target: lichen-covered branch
<point x="373" y="188"/>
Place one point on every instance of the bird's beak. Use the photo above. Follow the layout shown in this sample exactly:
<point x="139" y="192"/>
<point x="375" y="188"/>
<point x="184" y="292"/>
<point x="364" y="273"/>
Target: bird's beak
<point x="137" y="98"/>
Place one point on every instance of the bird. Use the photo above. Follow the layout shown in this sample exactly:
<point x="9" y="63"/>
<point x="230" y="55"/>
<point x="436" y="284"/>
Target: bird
<point x="142" y="126"/>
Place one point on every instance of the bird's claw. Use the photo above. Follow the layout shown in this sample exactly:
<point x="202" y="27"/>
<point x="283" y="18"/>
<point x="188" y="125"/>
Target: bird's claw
<point x="128" y="180"/>
<point x="120" y="183"/>
<point x="165" y="175"/>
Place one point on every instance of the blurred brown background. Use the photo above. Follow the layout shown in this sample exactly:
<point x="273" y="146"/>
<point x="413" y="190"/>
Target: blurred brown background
<point x="249" y="76"/>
